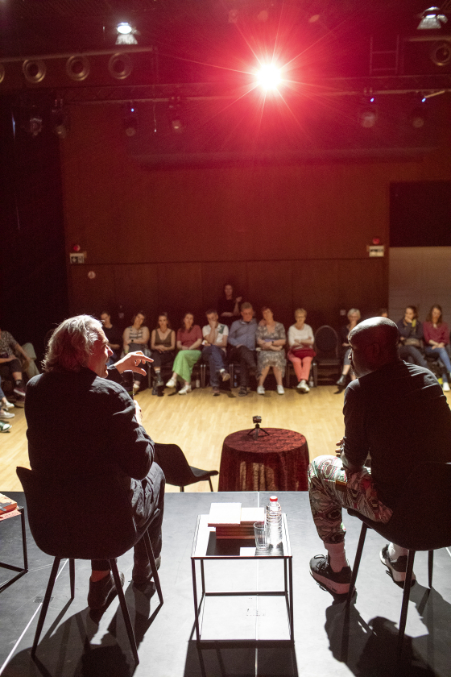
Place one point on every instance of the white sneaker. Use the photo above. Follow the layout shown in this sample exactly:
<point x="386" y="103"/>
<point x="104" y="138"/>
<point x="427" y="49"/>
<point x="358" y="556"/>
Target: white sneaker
<point x="445" y="387"/>
<point x="260" y="390"/>
<point x="302" y="386"/>
<point x="8" y="405"/>
<point x="172" y="382"/>
<point x="280" y="390"/>
<point x="136" y="387"/>
<point x="5" y="414"/>
<point x="186" y="389"/>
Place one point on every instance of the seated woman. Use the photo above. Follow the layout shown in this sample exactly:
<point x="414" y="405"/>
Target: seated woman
<point x="189" y="339"/>
<point x="271" y="339"/>
<point x="135" y="338"/>
<point x="162" y="345"/>
<point x="411" y="340"/>
<point x="301" y="353"/>
<point x="353" y="319"/>
<point x="436" y="337"/>
<point x="228" y="306"/>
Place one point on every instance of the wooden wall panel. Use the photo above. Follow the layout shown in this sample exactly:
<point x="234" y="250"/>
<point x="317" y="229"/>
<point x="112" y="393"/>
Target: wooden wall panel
<point x="180" y="290"/>
<point x="269" y="283"/>
<point x="315" y="288"/>
<point x="136" y="289"/>
<point x="91" y="296"/>
<point x="363" y="285"/>
<point x="216" y="274"/>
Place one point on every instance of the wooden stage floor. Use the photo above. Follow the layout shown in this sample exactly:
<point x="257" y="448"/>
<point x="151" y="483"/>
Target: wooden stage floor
<point x="199" y="422"/>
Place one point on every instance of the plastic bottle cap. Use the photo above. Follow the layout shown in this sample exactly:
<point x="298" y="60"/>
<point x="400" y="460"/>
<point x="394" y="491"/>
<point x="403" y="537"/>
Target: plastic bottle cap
<point x="273" y="498"/>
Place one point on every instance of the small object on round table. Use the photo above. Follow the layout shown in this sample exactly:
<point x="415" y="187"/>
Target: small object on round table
<point x="278" y="462"/>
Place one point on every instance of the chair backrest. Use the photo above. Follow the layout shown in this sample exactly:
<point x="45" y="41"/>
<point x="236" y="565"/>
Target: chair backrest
<point x="172" y="461"/>
<point x="84" y="518"/>
<point x="422" y="518"/>
<point x="326" y="342"/>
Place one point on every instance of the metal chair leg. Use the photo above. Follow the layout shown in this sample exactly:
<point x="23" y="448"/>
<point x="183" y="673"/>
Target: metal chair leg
<point x="405" y="602"/>
<point x="24" y="538"/>
<point x="153" y="565"/>
<point x="126" y="615"/>
<point x="45" y="605"/>
<point x="430" y="567"/>
<point x="72" y="577"/>
<point x="355" y="568"/>
<point x="211" y="486"/>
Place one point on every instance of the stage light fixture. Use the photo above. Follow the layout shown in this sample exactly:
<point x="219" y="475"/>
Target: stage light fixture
<point x="269" y="76"/>
<point x="78" y="68"/>
<point x="175" y="118"/>
<point x="441" y="53"/>
<point x="431" y="19"/>
<point x="130" y="121"/>
<point x="368" y="114"/>
<point x="126" y="34"/>
<point x="33" y="122"/>
<point x="60" y="119"/>
<point x="34" y="70"/>
<point x="120" y="66"/>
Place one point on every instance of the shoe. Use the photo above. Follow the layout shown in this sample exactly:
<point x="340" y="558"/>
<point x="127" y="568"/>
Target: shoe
<point x="186" y="389"/>
<point x="341" y="383"/>
<point x="5" y="427"/>
<point x="303" y="387"/>
<point x="5" y="415"/>
<point x="224" y="375"/>
<point x="8" y="405"/>
<point x="142" y="571"/>
<point x="396" y="568"/>
<point x="260" y="390"/>
<point x="101" y="592"/>
<point x="280" y="390"/>
<point x="136" y="387"/>
<point x="171" y="383"/>
<point x="20" y="391"/>
<point x="160" y="381"/>
<point x="215" y="392"/>
<point x="242" y="391"/>
<point x="337" y="582"/>
<point x="445" y="387"/>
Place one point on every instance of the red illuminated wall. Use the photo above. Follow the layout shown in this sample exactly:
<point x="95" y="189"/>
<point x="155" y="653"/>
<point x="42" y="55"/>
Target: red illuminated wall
<point x="168" y="239"/>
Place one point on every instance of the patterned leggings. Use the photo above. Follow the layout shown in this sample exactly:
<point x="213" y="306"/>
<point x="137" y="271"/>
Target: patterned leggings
<point x="327" y="499"/>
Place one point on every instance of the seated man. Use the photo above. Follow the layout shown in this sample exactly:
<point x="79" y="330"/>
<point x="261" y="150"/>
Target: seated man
<point x="10" y="364"/>
<point x="396" y="413"/>
<point x="242" y="339"/>
<point x="214" y="349"/>
<point x="80" y="423"/>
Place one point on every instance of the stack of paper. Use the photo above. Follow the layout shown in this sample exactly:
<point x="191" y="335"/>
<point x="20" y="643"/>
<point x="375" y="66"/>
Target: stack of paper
<point x="233" y="521"/>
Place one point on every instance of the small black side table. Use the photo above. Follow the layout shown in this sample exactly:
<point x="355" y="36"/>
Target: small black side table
<point x="22" y="570"/>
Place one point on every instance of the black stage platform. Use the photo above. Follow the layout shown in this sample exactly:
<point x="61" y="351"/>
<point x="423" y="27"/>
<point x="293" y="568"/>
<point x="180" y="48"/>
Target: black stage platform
<point x="74" y="644"/>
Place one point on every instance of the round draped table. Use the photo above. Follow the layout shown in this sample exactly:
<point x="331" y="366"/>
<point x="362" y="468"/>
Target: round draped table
<point x="275" y="463"/>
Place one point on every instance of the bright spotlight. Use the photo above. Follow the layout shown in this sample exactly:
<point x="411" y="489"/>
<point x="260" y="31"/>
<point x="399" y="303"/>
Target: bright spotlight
<point x="268" y="76"/>
<point x="126" y="34"/>
<point x="124" y="28"/>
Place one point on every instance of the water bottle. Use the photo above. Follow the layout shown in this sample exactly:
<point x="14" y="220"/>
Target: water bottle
<point x="273" y="522"/>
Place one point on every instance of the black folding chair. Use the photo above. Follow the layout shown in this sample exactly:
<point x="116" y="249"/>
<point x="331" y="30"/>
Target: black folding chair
<point x="89" y="518"/>
<point x="421" y="521"/>
<point x="176" y="468"/>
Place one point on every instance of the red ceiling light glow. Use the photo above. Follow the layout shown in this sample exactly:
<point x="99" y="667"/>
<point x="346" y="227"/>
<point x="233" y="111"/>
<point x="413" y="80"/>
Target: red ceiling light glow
<point x="269" y="76"/>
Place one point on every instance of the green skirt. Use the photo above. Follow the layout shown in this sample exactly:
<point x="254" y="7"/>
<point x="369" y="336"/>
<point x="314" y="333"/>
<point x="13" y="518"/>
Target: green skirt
<point x="184" y="363"/>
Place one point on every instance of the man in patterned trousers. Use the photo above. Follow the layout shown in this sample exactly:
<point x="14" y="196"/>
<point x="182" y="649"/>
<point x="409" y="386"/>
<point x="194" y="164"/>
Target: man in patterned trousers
<point x="396" y="417"/>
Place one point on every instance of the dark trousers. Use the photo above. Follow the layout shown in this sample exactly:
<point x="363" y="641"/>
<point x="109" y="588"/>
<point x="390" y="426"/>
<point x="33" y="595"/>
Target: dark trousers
<point x="412" y="354"/>
<point x="148" y="508"/>
<point x="8" y="368"/>
<point x="162" y="359"/>
<point x="215" y="357"/>
<point x="246" y="360"/>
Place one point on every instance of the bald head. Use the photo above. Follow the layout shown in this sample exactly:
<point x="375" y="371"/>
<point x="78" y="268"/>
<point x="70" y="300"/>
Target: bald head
<point x="374" y="343"/>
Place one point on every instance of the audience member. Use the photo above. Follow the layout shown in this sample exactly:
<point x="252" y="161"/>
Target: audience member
<point x="353" y="317"/>
<point x="436" y="336"/>
<point x="113" y="334"/>
<point x="136" y="338"/>
<point x="162" y="344"/>
<point x="397" y="412"/>
<point x="4" y="406"/>
<point x="301" y="353"/>
<point x="228" y="306"/>
<point x="383" y="312"/>
<point x="271" y="339"/>
<point x="242" y="339"/>
<point x="214" y="349"/>
<point x="10" y="364"/>
<point x="189" y="340"/>
<point x="411" y="337"/>
<point x="99" y="433"/>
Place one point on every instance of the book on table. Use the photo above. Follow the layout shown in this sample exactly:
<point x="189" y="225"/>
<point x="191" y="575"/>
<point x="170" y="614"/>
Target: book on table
<point x="6" y="504"/>
<point x="231" y="520"/>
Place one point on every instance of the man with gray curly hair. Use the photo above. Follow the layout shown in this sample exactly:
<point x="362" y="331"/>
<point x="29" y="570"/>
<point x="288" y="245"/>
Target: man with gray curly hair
<point x="82" y="422"/>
